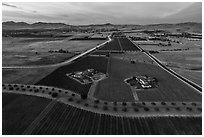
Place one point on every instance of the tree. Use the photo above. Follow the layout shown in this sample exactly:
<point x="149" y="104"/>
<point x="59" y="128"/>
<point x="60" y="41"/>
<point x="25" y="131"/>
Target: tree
<point x="54" y="95"/>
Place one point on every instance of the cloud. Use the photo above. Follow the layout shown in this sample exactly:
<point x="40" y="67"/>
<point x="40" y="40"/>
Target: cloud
<point x="93" y="12"/>
<point x="9" y="5"/>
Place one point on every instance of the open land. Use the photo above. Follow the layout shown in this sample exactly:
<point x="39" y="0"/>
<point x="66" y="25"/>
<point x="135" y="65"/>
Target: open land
<point x="114" y="107"/>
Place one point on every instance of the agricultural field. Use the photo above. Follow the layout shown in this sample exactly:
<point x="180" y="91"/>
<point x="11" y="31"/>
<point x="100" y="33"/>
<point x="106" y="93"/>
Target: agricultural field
<point x="113" y="45"/>
<point x="169" y="88"/>
<point x="19" y="111"/>
<point x="184" y="45"/>
<point x="194" y="76"/>
<point x="67" y="120"/>
<point x="34" y="51"/>
<point x="120" y="44"/>
<point x="59" y="79"/>
<point x="25" y="76"/>
<point x="31" y="58"/>
<point x="127" y="45"/>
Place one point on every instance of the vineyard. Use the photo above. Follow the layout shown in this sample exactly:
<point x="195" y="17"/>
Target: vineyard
<point x="59" y="79"/>
<point x="66" y="120"/>
<point x="169" y="87"/>
<point x="19" y="111"/>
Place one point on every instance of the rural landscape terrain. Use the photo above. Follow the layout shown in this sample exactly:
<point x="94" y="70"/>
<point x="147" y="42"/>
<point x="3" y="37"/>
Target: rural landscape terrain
<point x="108" y="68"/>
<point x="101" y="79"/>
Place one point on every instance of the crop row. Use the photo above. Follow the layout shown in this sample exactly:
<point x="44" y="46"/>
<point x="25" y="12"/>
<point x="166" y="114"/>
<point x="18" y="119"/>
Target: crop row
<point x="128" y="45"/>
<point x="18" y="114"/>
<point x="113" y="45"/>
<point x="64" y="119"/>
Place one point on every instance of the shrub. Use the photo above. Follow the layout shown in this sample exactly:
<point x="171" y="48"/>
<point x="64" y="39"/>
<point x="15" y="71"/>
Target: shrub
<point x="146" y="109"/>
<point x="105" y="103"/>
<point x="143" y="103"/>
<point x="36" y="90"/>
<point x="115" y="103"/>
<point x="86" y="104"/>
<point x="183" y="103"/>
<point x="189" y="108"/>
<point x="95" y="106"/>
<point x="156" y="109"/>
<point x="178" y="108"/>
<point x="167" y="109"/>
<point x="124" y="103"/>
<point x="153" y="103"/>
<point x="96" y="101"/>
<point x="193" y="104"/>
<point x="136" y="109"/>
<point x="173" y="103"/>
<point x="199" y="109"/>
<point x="124" y="109"/>
<point x="163" y="103"/>
<point x="10" y="88"/>
<point x="83" y="96"/>
<point x="133" y="104"/>
<point x="78" y="102"/>
<point x="105" y="108"/>
<point x="54" y="95"/>
<point x="70" y="99"/>
<point x="73" y="95"/>
<point x="115" y="108"/>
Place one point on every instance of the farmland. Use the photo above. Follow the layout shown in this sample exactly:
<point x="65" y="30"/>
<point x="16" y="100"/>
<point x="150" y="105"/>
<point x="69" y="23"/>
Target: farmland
<point x="59" y="79"/>
<point x="114" y="106"/>
<point x="170" y="89"/>
<point x="34" y="51"/>
<point x="25" y="76"/>
<point x="19" y="111"/>
<point x="71" y="120"/>
<point x="118" y="44"/>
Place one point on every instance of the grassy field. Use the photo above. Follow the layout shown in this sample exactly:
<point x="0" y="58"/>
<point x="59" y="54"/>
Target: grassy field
<point x="22" y="51"/>
<point x="30" y="58"/>
<point x="25" y="76"/>
<point x="59" y="79"/>
<point x="185" y="45"/>
<point x="19" y="111"/>
<point x="195" y="76"/>
<point x="191" y="60"/>
<point x="170" y="88"/>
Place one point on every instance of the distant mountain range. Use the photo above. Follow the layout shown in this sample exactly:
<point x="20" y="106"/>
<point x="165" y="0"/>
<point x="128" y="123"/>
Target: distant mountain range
<point x="186" y="26"/>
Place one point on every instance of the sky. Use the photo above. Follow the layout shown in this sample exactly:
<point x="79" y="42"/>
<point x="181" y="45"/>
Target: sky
<point x="76" y="13"/>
